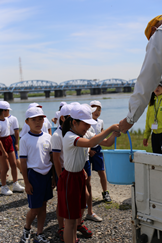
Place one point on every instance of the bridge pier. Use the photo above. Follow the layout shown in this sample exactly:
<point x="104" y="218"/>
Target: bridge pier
<point x="78" y="91"/>
<point x="127" y="89"/>
<point x="8" y="96"/>
<point x="95" y="91"/>
<point x="118" y="89"/>
<point x="60" y="93"/>
<point x="47" y="93"/>
<point x="23" y="95"/>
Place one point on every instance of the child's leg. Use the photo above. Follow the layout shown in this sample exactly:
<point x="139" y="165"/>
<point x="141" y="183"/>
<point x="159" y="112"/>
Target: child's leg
<point x="12" y="161"/>
<point x="41" y="218"/>
<point x="4" y="166"/>
<point x="89" y="196"/>
<point x="70" y="231"/>
<point x="18" y="164"/>
<point x="60" y="219"/>
<point x="103" y="179"/>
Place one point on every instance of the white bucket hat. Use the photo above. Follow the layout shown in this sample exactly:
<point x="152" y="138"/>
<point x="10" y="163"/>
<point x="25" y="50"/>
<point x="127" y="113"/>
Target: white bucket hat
<point x="82" y="113"/>
<point x="4" y="105"/>
<point x="34" y="105"/>
<point x="95" y="102"/>
<point x="34" y="112"/>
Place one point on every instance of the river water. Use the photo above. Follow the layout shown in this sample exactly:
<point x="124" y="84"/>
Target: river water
<point x="114" y="107"/>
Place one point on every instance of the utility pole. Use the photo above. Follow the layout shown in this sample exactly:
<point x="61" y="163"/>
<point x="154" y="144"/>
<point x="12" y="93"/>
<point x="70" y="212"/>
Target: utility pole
<point x="20" y="68"/>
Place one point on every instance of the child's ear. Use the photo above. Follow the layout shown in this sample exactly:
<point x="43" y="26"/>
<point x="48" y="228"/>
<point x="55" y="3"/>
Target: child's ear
<point x="27" y="121"/>
<point x="62" y="118"/>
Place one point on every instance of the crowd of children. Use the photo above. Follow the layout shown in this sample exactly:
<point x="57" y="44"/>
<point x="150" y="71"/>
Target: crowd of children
<point x="63" y="160"/>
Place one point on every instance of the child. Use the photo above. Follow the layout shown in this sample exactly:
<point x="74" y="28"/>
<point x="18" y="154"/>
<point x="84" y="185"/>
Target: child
<point x="35" y="148"/>
<point x="55" y="119"/>
<point x="14" y="130"/>
<point x="71" y="183"/>
<point x="96" y="157"/>
<point x="46" y="124"/>
<point x="7" y="155"/>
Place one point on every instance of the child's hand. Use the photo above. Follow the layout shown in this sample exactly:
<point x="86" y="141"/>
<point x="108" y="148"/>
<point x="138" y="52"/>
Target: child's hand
<point x="16" y="147"/>
<point x="85" y="173"/>
<point x="53" y="183"/>
<point x="92" y="153"/>
<point x="116" y="127"/>
<point x="5" y="155"/>
<point x="117" y="134"/>
<point x="29" y="189"/>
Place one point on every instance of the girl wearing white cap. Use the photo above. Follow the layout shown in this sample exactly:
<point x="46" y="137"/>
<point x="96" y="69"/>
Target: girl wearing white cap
<point x="71" y="183"/>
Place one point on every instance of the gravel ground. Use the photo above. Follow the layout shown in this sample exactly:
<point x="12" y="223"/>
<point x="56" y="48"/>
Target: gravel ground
<point x="115" y="227"/>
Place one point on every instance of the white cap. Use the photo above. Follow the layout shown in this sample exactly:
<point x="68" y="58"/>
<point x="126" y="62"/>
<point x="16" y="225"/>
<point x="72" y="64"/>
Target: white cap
<point x="34" y="112"/>
<point x="75" y="103"/>
<point x="96" y="103"/>
<point x="34" y="105"/>
<point x="65" y="110"/>
<point x="4" y="105"/>
<point x="63" y="103"/>
<point x="83" y="113"/>
<point x="92" y="108"/>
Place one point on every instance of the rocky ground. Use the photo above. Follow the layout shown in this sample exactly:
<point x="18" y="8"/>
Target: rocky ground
<point x="115" y="227"/>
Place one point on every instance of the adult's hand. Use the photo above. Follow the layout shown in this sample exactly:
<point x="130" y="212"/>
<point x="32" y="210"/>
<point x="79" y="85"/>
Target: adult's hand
<point x="145" y="142"/>
<point x="124" y="126"/>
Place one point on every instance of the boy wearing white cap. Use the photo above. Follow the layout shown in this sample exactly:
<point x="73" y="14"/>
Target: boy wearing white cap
<point x="8" y="157"/>
<point x="96" y="157"/>
<point x="46" y="124"/>
<point x="71" y="183"/>
<point x="35" y="149"/>
<point x="14" y="130"/>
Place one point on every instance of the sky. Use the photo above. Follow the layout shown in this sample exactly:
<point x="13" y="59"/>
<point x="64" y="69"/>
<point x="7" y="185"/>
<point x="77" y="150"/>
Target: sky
<point x="73" y="39"/>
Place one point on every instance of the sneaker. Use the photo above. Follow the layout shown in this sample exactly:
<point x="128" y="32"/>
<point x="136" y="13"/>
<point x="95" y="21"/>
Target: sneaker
<point x="93" y="217"/>
<point x="40" y="239"/>
<point x="59" y="234"/>
<point x="26" y="236"/>
<point x="6" y="191"/>
<point x="84" y="230"/>
<point x="17" y="187"/>
<point x="77" y="240"/>
<point x="106" y="196"/>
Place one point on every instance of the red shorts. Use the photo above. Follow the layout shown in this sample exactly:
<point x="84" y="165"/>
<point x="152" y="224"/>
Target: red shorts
<point x="7" y="144"/>
<point x="71" y="194"/>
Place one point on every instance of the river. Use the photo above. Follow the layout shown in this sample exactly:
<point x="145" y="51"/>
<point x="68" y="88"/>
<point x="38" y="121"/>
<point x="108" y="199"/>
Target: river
<point x="114" y="107"/>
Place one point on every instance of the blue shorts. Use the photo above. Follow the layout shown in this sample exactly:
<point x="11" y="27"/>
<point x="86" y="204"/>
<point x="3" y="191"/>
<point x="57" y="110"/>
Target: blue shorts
<point x="87" y="168"/>
<point x="97" y="159"/>
<point x="42" y="188"/>
<point x="13" y="142"/>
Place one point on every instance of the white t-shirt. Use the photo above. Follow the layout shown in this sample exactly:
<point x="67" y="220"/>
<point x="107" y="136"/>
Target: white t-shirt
<point x="14" y="125"/>
<point x="36" y="148"/>
<point x="57" y="146"/>
<point x="46" y="125"/>
<point x="74" y="157"/>
<point x="98" y="126"/>
<point x="89" y="134"/>
<point x="4" y="128"/>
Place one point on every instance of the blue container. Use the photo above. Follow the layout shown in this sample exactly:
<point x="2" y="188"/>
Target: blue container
<point x="119" y="169"/>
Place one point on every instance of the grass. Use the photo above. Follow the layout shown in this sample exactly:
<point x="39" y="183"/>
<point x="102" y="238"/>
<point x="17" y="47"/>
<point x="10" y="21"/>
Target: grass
<point x="137" y="142"/>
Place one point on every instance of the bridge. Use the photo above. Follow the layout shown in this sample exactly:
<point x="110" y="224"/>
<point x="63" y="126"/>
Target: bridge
<point x="35" y="86"/>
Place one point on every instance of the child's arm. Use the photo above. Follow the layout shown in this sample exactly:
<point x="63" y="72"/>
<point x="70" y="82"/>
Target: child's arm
<point x="4" y="153"/>
<point x="28" y="186"/>
<point x="17" y="139"/>
<point x="57" y="163"/>
<point x="108" y="142"/>
<point x="83" y="142"/>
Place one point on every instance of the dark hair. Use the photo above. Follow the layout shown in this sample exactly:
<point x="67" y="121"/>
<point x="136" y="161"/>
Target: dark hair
<point x="61" y="122"/>
<point x="1" y="110"/>
<point x="152" y="99"/>
<point x="67" y="125"/>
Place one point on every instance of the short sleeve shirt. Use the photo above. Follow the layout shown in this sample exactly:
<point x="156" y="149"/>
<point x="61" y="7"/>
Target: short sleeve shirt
<point x="98" y="126"/>
<point x="4" y="128"/>
<point x="57" y="144"/>
<point x="36" y="148"/>
<point x="14" y="125"/>
<point x="74" y="157"/>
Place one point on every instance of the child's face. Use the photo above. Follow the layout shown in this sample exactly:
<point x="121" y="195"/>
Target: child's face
<point x="97" y="112"/>
<point x="6" y="113"/>
<point x="35" y="124"/>
<point x="80" y="127"/>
